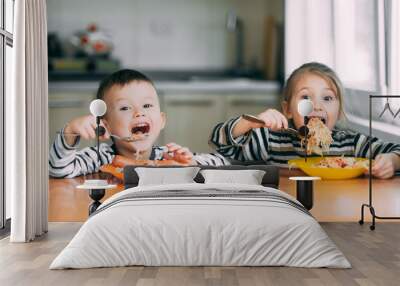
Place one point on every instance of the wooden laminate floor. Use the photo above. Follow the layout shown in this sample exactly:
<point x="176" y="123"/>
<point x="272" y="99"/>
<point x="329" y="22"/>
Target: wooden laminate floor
<point x="374" y="255"/>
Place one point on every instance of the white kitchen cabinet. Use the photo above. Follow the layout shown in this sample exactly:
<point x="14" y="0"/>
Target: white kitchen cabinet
<point x="190" y="119"/>
<point x="65" y="106"/>
<point x="254" y="104"/>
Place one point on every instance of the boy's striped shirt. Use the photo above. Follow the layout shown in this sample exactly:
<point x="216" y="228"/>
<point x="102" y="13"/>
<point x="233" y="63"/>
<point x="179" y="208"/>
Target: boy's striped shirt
<point x="279" y="147"/>
<point x="67" y="161"/>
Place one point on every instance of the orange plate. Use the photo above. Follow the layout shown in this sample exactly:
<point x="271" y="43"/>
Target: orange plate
<point x="115" y="171"/>
<point x="326" y="173"/>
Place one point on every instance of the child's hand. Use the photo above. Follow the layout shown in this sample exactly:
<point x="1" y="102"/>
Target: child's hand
<point x="85" y="127"/>
<point x="385" y="165"/>
<point x="273" y="119"/>
<point x="179" y="154"/>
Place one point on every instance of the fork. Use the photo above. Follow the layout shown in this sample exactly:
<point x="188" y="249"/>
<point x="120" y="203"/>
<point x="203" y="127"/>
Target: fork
<point x="126" y="139"/>
<point x="255" y="119"/>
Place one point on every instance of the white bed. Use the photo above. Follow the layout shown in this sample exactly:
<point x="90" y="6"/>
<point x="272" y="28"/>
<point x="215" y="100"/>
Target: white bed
<point x="201" y="224"/>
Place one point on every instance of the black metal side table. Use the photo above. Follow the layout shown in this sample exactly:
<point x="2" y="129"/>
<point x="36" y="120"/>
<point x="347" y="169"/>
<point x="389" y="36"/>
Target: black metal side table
<point x="305" y="190"/>
<point x="96" y="193"/>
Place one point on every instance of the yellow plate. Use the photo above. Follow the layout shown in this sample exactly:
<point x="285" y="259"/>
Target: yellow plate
<point x="326" y="173"/>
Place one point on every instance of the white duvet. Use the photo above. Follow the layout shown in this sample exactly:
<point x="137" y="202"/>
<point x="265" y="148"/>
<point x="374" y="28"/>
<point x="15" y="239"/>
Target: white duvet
<point x="207" y="230"/>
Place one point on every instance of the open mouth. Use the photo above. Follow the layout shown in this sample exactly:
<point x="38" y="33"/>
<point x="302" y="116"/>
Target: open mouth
<point x="141" y="128"/>
<point x="320" y="118"/>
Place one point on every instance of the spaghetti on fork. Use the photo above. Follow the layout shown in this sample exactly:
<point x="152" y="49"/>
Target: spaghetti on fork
<point x="319" y="137"/>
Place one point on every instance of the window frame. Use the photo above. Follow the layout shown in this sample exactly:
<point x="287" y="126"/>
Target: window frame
<point x="6" y="39"/>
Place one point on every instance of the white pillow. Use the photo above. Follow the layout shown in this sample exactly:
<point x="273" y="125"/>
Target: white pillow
<point x="165" y="176"/>
<point x="249" y="177"/>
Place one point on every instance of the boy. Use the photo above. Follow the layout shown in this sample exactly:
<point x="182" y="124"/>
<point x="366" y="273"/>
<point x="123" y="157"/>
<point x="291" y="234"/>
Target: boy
<point x="133" y="110"/>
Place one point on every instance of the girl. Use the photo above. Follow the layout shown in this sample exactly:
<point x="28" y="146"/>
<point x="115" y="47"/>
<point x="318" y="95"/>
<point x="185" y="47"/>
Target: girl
<point x="244" y="140"/>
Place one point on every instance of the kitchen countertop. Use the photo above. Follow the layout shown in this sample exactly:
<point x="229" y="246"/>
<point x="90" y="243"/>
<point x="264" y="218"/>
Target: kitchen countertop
<point x="204" y="86"/>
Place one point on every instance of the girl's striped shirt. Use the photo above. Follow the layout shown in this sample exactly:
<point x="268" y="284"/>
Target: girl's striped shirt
<point x="67" y="161"/>
<point x="277" y="147"/>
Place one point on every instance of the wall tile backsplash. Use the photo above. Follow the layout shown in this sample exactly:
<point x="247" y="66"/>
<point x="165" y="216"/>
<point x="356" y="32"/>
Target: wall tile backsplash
<point x="173" y="34"/>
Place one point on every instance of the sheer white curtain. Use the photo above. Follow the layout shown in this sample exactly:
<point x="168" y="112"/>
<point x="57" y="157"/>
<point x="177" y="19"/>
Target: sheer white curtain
<point x="308" y="33"/>
<point x="26" y="124"/>
<point x="346" y="35"/>
<point x="393" y="14"/>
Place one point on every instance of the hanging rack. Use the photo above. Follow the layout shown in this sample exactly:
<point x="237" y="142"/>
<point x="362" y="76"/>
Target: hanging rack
<point x="370" y="203"/>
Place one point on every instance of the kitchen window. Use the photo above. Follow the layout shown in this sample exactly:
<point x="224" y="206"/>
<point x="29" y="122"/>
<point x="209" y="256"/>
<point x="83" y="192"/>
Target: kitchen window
<point x="360" y="40"/>
<point x="392" y="14"/>
<point x="375" y="67"/>
<point x="356" y="37"/>
<point x="348" y="36"/>
<point x="6" y="64"/>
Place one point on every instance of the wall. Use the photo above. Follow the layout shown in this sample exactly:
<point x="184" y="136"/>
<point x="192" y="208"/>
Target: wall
<point x="174" y="34"/>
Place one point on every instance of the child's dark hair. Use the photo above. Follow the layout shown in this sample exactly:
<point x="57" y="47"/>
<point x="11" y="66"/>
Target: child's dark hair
<point x="120" y="78"/>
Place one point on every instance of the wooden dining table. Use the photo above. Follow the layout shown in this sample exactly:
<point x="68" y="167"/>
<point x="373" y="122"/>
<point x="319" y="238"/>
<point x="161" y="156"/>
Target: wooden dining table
<point x="334" y="200"/>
